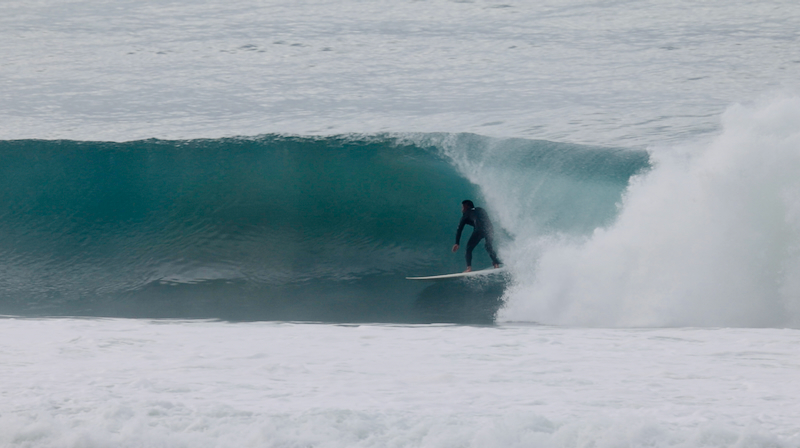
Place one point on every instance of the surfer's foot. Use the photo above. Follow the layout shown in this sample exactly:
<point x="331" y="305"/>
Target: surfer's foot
<point x="469" y="269"/>
<point x="496" y="265"/>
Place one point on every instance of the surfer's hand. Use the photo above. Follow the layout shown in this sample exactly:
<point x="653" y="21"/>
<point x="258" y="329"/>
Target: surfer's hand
<point x="455" y="248"/>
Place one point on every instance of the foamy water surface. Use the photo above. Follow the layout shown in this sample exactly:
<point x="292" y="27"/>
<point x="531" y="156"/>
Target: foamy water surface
<point x="127" y="383"/>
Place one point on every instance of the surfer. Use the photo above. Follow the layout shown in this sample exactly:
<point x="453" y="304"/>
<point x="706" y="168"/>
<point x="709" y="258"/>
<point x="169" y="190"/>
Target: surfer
<point x="479" y="219"/>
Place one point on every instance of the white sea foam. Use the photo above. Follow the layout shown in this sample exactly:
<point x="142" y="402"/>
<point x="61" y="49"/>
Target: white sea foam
<point x="135" y="383"/>
<point x="711" y="236"/>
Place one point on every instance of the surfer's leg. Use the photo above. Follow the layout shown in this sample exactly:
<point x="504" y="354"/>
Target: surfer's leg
<point x="490" y="250"/>
<point x="473" y="241"/>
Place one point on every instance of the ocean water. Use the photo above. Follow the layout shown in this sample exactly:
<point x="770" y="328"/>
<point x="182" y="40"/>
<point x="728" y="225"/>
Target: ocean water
<point x="208" y="210"/>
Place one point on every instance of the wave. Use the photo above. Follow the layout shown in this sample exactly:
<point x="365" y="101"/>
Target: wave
<point x="281" y="227"/>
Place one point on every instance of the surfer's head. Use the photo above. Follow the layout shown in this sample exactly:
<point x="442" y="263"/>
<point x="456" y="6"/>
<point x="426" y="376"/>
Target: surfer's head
<point x="467" y="205"/>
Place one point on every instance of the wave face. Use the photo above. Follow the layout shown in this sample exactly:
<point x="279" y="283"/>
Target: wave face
<point x="276" y="227"/>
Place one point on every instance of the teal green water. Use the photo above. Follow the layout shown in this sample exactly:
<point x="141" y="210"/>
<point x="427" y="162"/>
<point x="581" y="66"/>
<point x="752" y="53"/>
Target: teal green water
<point x="273" y="227"/>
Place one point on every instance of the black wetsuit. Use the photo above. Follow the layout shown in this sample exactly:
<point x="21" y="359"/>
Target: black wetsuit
<point x="479" y="219"/>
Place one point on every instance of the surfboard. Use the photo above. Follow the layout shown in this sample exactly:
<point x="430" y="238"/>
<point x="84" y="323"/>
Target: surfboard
<point x="482" y="272"/>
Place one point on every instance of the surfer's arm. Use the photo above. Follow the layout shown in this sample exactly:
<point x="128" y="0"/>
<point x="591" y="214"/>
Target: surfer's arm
<point x="460" y="229"/>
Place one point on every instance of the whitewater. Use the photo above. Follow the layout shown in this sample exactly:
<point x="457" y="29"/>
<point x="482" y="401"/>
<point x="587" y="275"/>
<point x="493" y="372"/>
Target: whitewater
<point x="208" y="210"/>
